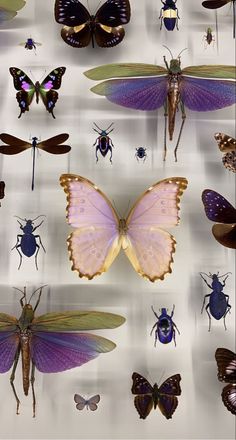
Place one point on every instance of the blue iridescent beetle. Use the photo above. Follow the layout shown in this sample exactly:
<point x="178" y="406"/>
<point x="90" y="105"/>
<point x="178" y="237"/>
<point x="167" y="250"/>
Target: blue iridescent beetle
<point x="141" y="154"/>
<point x="165" y="327"/>
<point x="103" y="143"/>
<point x="218" y="304"/>
<point x="169" y="14"/>
<point x="26" y="243"/>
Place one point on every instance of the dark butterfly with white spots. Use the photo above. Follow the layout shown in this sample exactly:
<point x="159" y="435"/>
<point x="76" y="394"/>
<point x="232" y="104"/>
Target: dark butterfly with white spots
<point x="80" y="27"/>
<point x="90" y="403"/>
<point x="46" y="90"/>
<point x="227" y="145"/>
<point x="218" y="209"/>
<point x="226" y="363"/>
<point x="148" y="397"/>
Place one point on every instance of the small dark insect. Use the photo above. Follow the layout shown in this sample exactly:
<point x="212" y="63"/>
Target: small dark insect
<point x="27" y="242"/>
<point x="226" y="363"/>
<point x="215" y="4"/>
<point x="227" y="145"/>
<point x="2" y="190"/>
<point x="169" y="14"/>
<point x="103" y="143"/>
<point x="141" y="154"/>
<point x="209" y="37"/>
<point x="218" y="304"/>
<point x="90" y="403"/>
<point x="165" y="327"/>
<point x="51" y="145"/>
<point x="218" y="209"/>
<point x="106" y="26"/>
<point x="30" y="44"/>
<point x="148" y="397"/>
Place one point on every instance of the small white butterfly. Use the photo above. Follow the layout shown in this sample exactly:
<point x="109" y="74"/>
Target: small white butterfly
<point x="90" y="403"/>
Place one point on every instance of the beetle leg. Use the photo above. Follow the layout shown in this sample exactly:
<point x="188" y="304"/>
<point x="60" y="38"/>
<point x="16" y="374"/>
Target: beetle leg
<point x="176" y="327"/>
<point x="97" y="148"/>
<point x="227" y="310"/>
<point x="32" y="380"/>
<point x="161" y="18"/>
<point x="174" y="336"/>
<point x="40" y="242"/>
<point x="155" y="325"/>
<point x="156" y="315"/>
<point x="172" y="313"/>
<point x="36" y="227"/>
<point x="17" y="248"/>
<point x="206" y="296"/>
<point x="181" y="129"/>
<point x="156" y="337"/>
<point x="110" y="149"/>
<point x="209" y="316"/>
<point x="12" y="378"/>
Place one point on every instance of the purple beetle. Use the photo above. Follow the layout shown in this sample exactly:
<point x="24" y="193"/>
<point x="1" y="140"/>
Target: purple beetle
<point x="165" y="327"/>
<point x="103" y="142"/>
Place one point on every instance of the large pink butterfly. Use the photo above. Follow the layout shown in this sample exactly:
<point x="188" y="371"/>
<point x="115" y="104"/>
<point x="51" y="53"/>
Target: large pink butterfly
<point x="100" y="233"/>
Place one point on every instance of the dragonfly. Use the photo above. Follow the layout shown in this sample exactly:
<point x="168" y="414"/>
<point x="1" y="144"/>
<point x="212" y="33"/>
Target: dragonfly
<point x="148" y="87"/>
<point x="51" y="145"/>
<point x="216" y="4"/>
<point x="49" y="342"/>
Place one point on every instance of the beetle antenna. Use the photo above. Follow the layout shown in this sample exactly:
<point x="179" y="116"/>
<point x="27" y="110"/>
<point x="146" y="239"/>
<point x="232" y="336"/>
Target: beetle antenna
<point x="42" y="215"/>
<point x="209" y="276"/>
<point x="221" y="276"/>
<point x="182" y="52"/>
<point x="110" y="126"/>
<point x="23" y="219"/>
<point x="97" y="126"/>
<point x="169" y="51"/>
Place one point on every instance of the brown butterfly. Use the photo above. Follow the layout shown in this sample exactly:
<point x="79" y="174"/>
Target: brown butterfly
<point x="227" y="145"/>
<point x="226" y="363"/>
<point x="2" y="188"/>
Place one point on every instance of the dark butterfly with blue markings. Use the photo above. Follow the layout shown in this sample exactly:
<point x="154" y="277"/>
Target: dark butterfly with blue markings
<point x="80" y="27"/>
<point x="219" y="210"/>
<point x="46" y="90"/>
<point x="148" y="397"/>
<point x="226" y="363"/>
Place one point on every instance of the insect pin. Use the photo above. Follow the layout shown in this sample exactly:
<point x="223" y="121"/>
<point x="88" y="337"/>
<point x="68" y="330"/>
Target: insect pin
<point x="226" y="363"/>
<point x="141" y="154"/>
<point x="30" y="44"/>
<point x="169" y="15"/>
<point x="2" y="190"/>
<point x="90" y="403"/>
<point x="51" y="343"/>
<point x="103" y="143"/>
<point x="218" y="305"/>
<point x="227" y="145"/>
<point x="27" y="243"/>
<point x="165" y="327"/>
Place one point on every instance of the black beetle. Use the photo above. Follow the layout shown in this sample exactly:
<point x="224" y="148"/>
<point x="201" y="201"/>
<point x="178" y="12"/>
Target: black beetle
<point x="165" y="327"/>
<point x="209" y="38"/>
<point x="103" y="142"/>
<point x="169" y="14"/>
<point x="218" y="304"/>
<point x="141" y="153"/>
<point x="27" y="242"/>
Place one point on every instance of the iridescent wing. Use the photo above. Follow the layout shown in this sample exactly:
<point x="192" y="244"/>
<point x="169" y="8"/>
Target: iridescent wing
<point x="9" y="341"/>
<point x="95" y="243"/>
<point x="52" y="145"/>
<point x="167" y="400"/>
<point x="148" y="245"/>
<point x="143" y="402"/>
<point x="48" y="88"/>
<point x="226" y="363"/>
<point x="25" y="87"/>
<point x="218" y="209"/>
<point x="15" y="145"/>
<point x="140" y="385"/>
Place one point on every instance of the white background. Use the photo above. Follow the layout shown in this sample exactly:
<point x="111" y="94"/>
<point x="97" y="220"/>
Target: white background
<point x="200" y="414"/>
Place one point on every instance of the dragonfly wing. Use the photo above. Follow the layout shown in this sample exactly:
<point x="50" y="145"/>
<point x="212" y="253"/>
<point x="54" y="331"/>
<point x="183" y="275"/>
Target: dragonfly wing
<point x="52" y="145"/>
<point x="53" y="351"/>
<point x="15" y="145"/>
<point x="55" y="140"/>
<point x="207" y="94"/>
<point x="136" y="93"/>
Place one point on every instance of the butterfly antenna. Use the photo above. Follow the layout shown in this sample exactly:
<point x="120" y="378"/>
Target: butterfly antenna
<point x="169" y="51"/>
<point x="117" y="209"/>
<point x="127" y="209"/>
<point x="159" y="380"/>
<point x="23" y="297"/>
<point x="97" y="5"/>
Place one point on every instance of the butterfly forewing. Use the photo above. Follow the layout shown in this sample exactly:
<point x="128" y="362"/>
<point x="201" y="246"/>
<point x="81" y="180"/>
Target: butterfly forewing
<point x="71" y="13"/>
<point x="171" y="386"/>
<point x="217" y="208"/>
<point x="141" y="385"/>
<point x="226" y="363"/>
<point x="114" y="13"/>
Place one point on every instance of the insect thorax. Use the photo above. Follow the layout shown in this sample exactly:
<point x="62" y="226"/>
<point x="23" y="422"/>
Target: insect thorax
<point x="123" y="228"/>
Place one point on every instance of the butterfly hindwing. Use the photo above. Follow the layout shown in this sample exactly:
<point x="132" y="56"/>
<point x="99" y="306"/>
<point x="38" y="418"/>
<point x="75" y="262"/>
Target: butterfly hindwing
<point x="143" y="404"/>
<point x="227" y="145"/>
<point x="217" y="208"/>
<point x="226" y="363"/>
<point x="140" y="385"/>
<point x="25" y="87"/>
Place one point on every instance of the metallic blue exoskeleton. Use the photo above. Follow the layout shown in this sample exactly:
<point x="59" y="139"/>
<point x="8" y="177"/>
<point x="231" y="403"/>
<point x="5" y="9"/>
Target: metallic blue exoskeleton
<point x="165" y="327"/>
<point x="103" y="142"/>
<point x="141" y="153"/>
<point x="169" y="14"/>
<point x="218" y="304"/>
<point x="26" y="243"/>
<point x="30" y="44"/>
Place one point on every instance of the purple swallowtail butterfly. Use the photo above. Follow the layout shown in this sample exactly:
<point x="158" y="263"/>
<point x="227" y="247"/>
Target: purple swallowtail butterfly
<point x="106" y="26"/>
<point x="147" y="397"/>
<point x="46" y="90"/>
<point x="90" y="403"/>
<point x="226" y="363"/>
<point x="227" y="145"/>
<point x="219" y="210"/>
<point x="51" y="342"/>
<point x="149" y="87"/>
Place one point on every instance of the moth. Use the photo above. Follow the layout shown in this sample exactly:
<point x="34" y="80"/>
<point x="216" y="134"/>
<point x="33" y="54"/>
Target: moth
<point x="80" y="28"/>
<point x="50" y="342"/>
<point x="148" y="397"/>
<point x="226" y="364"/>
<point x="227" y="145"/>
<point x="90" y="403"/>
<point x="100" y="234"/>
<point x="219" y="210"/>
<point x="45" y="90"/>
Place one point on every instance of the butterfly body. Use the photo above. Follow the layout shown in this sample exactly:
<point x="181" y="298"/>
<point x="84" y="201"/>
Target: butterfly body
<point x="227" y="145"/>
<point x="100" y="234"/>
<point x="46" y="90"/>
<point x="226" y="363"/>
<point x="104" y="27"/>
<point x="50" y="342"/>
<point x="163" y="397"/>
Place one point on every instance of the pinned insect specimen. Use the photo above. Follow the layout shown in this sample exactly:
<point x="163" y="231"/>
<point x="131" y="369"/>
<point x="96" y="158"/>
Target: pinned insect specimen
<point x="226" y="363"/>
<point x="169" y="14"/>
<point x="90" y="403"/>
<point x="141" y="154"/>
<point x="227" y="145"/>
<point x="30" y="44"/>
<point x="103" y="143"/>
<point x="215" y="4"/>
<point x="165" y="327"/>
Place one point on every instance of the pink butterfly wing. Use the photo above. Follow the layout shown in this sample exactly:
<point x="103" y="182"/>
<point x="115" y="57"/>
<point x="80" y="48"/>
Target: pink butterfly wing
<point x="148" y="246"/>
<point x="95" y="243"/>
